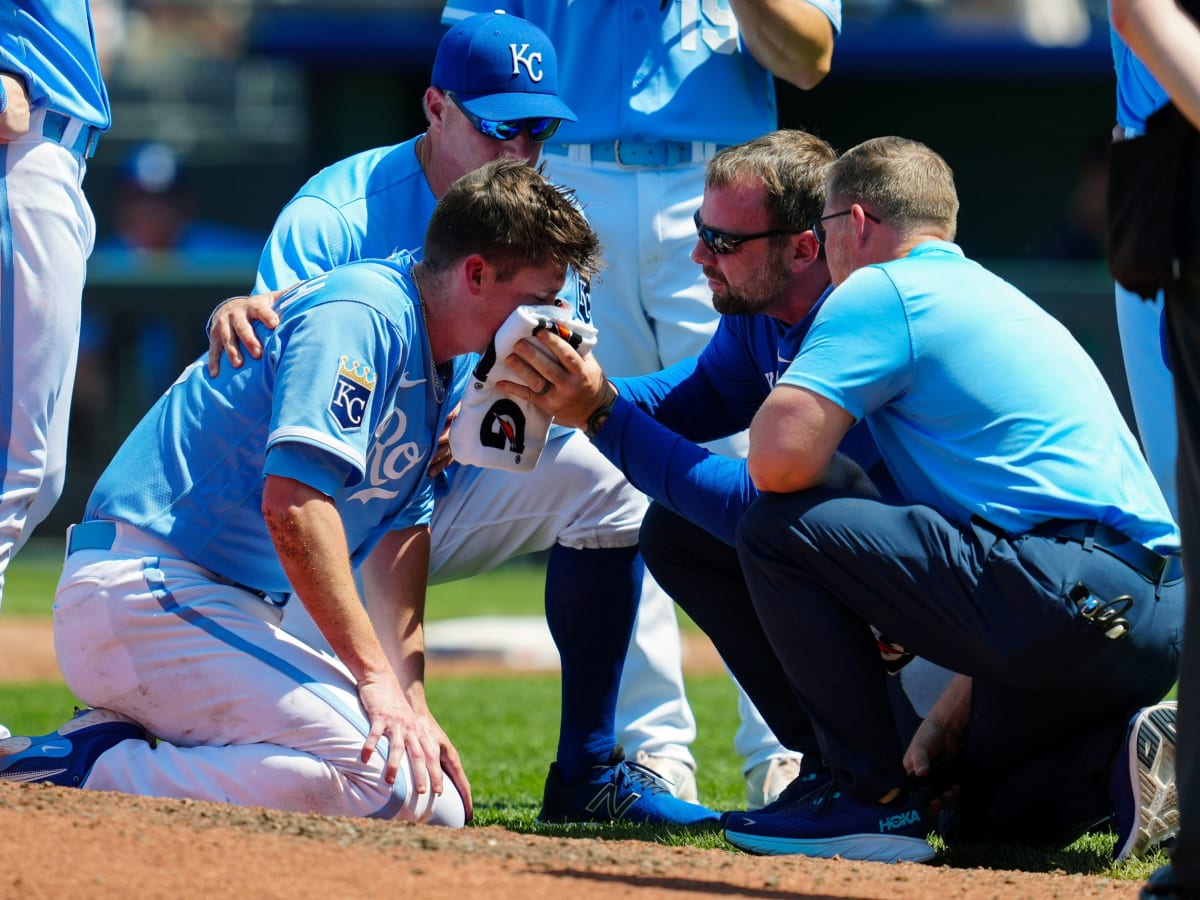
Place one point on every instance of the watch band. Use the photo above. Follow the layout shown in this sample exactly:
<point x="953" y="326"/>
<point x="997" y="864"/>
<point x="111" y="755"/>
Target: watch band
<point x="597" y="419"/>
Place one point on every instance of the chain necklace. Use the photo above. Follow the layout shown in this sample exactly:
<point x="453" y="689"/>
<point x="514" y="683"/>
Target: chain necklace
<point x="439" y="386"/>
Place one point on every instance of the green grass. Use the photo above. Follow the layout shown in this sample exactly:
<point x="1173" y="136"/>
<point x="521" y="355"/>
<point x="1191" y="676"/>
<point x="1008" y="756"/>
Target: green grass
<point x="505" y="728"/>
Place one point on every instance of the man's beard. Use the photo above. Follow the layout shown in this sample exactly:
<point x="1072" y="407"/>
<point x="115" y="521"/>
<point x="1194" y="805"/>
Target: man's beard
<point x="753" y="297"/>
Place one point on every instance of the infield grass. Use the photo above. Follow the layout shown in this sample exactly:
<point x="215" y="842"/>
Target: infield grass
<point x="505" y="727"/>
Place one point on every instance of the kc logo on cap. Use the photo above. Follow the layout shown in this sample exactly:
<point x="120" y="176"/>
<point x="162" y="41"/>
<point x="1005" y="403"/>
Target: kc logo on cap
<point x="500" y="67"/>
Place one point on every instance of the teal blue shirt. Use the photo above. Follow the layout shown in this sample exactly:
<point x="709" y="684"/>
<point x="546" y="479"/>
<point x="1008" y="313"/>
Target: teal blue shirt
<point x="981" y="403"/>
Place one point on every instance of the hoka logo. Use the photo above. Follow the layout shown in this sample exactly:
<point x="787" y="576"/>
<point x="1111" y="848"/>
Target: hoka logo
<point x="900" y="820"/>
<point x="606" y="797"/>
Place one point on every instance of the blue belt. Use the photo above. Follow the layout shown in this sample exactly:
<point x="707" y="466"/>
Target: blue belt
<point x="92" y="536"/>
<point x="54" y="126"/>
<point x="101" y="535"/>
<point x="634" y="153"/>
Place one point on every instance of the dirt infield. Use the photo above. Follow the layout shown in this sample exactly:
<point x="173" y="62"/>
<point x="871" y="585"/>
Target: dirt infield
<point x="60" y="842"/>
<point x="66" y="843"/>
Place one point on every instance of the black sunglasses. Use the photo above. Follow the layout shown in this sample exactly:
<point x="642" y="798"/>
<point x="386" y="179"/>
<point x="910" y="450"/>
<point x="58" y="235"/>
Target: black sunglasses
<point x="539" y="129"/>
<point x="818" y="229"/>
<point x="722" y="242"/>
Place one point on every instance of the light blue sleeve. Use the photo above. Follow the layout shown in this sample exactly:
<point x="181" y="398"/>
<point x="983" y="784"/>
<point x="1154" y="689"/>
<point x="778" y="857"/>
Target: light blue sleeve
<point x="328" y="388"/>
<point x="858" y="353"/>
<point x="310" y="237"/>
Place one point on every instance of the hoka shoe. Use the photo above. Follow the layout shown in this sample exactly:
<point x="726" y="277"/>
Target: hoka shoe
<point x="1142" y="786"/>
<point x="828" y="823"/>
<point x="618" y="791"/>
<point x="65" y="757"/>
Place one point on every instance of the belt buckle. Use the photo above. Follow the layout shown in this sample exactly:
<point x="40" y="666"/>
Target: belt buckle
<point x="617" y="157"/>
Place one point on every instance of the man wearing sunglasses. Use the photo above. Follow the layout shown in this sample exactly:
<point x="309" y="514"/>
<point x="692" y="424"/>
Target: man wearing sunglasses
<point x="494" y="94"/>
<point x="767" y="274"/>
<point x="659" y="88"/>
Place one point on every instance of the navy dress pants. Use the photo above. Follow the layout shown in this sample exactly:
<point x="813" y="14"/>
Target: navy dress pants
<point x="703" y="575"/>
<point x="1052" y="694"/>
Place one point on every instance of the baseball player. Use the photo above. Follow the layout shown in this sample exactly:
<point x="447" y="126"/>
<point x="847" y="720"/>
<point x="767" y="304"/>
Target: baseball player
<point x="53" y="107"/>
<point x="577" y="504"/>
<point x="659" y="88"/>
<point x="269" y="486"/>
<point x="768" y="280"/>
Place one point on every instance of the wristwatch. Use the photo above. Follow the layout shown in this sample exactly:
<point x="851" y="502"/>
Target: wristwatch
<point x="597" y="419"/>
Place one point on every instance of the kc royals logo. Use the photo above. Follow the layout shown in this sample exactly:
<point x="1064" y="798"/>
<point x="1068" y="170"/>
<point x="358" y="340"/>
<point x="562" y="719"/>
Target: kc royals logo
<point x="503" y="427"/>
<point x="351" y="393"/>
<point x="524" y="58"/>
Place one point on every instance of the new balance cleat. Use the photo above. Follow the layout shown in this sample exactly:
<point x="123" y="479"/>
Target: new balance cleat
<point x="618" y="791"/>
<point x="1142" y="786"/>
<point x="827" y="823"/>
<point x="65" y="757"/>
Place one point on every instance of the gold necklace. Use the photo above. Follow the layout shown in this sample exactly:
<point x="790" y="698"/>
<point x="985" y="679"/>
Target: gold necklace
<point x="439" y="386"/>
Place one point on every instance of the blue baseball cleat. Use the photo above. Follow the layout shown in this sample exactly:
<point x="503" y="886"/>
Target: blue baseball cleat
<point x="618" y="791"/>
<point x="828" y="823"/>
<point x="65" y="757"/>
<point x="1142" y="785"/>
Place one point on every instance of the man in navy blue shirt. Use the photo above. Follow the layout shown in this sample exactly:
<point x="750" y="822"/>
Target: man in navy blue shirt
<point x="768" y="277"/>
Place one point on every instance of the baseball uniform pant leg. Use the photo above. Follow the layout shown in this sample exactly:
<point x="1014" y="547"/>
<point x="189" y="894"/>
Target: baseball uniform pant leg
<point x="702" y="573"/>
<point x="578" y="505"/>
<point x="250" y="714"/>
<point x="46" y="234"/>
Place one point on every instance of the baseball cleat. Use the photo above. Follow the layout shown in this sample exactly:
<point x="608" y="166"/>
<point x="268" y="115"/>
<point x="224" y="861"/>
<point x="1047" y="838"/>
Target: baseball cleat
<point x="65" y="757"/>
<point x="678" y="776"/>
<point x="767" y="781"/>
<point x="618" y="791"/>
<point x="827" y="823"/>
<point x="1143" y="782"/>
<point x="4" y="733"/>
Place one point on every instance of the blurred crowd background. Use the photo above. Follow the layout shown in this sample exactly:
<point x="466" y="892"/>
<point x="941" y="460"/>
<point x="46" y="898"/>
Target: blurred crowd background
<point x="223" y="108"/>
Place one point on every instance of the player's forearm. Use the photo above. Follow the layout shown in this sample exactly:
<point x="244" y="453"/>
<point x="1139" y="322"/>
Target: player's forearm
<point x="311" y="544"/>
<point x="1167" y="40"/>
<point x="790" y="38"/>
<point x="395" y="577"/>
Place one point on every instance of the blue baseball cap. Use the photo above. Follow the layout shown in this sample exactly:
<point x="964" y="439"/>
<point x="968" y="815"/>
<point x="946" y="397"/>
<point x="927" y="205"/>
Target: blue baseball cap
<point x="500" y="67"/>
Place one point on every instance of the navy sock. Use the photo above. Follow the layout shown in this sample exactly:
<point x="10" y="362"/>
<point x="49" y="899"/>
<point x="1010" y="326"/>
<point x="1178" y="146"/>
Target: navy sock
<point x="591" y="602"/>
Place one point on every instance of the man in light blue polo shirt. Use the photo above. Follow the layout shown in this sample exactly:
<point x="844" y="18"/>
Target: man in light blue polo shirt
<point x="1031" y="551"/>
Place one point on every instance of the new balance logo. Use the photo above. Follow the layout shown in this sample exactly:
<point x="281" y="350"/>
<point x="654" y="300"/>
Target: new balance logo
<point x="607" y="797"/>
<point x="29" y="777"/>
<point x="900" y="820"/>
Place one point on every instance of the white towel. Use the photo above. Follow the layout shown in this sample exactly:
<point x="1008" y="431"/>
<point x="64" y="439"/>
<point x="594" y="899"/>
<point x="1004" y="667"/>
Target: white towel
<point x="495" y="430"/>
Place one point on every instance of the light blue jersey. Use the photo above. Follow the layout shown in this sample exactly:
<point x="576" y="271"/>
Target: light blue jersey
<point x="632" y="70"/>
<point x="325" y="224"/>
<point x="1138" y="94"/>
<point x="981" y="403"/>
<point x="343" y="400"/>
<point x="52" y="45"/>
